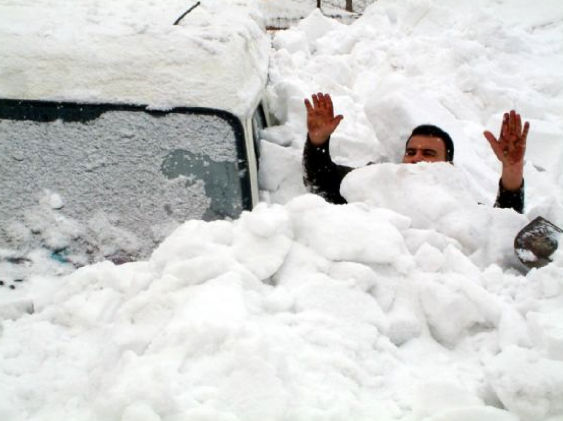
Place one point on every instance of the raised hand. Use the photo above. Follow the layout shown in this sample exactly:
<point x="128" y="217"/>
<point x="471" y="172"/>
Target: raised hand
<point x="510" y="148"/>
<point x="321" y="122"/>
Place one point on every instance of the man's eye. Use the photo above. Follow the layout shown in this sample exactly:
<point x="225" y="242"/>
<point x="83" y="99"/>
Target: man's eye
<point x="429" y="153"/>
<point x="410" y="152"/>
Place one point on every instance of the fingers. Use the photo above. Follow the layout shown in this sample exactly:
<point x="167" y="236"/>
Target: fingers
<point x="525" y="136"/>
<point x="329" y="105"/>
<point x="338" y="119"/>
<point x="316" y="101"/>
<point x="320" y="102"/>
<point x="323" y="100"/>
<point x="511" y="145"/>
<point x="504" y="126"/>
<point x="525" y="132"/>
<point x="512" y="122"/>
<point x="308" y="106"/>
<point x="490" y="137"/>
<point x="495" y="145"/>
<point x="518" y="123"/>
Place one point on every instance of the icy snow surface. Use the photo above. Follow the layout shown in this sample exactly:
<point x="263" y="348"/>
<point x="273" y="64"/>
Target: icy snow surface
<point x="406" y="304"/>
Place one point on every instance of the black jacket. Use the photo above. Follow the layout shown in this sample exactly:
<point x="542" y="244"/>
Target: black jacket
<point x="323" y="177"/>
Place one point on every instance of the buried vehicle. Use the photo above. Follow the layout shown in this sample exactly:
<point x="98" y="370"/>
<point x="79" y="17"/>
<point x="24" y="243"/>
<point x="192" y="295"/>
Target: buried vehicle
<point x="113" y="136"/>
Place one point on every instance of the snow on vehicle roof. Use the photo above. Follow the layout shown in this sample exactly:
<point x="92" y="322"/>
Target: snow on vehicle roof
<point x="216" y="57"/>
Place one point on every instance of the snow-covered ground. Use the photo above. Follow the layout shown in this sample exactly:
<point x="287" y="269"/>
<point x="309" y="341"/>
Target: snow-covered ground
<point x="406" y="304"/>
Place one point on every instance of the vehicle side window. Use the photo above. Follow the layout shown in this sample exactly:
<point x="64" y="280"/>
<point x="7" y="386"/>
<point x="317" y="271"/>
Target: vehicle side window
<point x="258" y="125"/>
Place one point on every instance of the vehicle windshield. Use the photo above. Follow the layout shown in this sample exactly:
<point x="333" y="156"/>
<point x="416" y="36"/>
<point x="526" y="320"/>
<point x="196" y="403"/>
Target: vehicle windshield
<point x="90" y="182"/>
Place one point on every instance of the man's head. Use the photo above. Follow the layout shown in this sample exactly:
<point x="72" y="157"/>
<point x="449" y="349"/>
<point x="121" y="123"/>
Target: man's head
<point x="428" y="143"/>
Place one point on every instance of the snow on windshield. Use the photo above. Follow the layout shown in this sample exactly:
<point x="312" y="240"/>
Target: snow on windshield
<point x="115" y="185"/>
<point x="406" y="304"/>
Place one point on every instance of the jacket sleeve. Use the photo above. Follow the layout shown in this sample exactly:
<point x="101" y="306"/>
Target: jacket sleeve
<point x="510" y="199"/>
<point x="321" y="175"/>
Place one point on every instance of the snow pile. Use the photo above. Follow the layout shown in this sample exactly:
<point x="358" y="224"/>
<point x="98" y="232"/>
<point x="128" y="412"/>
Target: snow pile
<point x="131" y="52"/>
<point x="439" y="197"/>
<point x="405" y="304"/>
<point x="303" y="311"/>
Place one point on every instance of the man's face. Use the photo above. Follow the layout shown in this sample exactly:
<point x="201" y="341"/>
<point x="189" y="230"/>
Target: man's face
<point x="424" y="149"/>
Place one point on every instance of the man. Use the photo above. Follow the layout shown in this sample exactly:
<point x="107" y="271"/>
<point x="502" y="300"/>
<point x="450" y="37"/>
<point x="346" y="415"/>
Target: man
<point x="426" y="143"/>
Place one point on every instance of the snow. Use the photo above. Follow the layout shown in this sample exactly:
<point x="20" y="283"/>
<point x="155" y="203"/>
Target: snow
<point x="405" y="304"/>
<point x="104" y="225"/>
<point x="98" y="51"/>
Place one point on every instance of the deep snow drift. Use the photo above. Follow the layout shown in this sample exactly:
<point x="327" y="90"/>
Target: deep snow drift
<point x="406" y="304"/>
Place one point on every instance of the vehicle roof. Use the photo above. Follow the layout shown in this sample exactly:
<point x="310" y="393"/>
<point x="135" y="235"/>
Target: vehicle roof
<point x="217" y="56"/>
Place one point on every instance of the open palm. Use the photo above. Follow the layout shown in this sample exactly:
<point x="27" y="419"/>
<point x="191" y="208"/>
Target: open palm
<point x="510" y="147"/>
<point x="321" y="122"/>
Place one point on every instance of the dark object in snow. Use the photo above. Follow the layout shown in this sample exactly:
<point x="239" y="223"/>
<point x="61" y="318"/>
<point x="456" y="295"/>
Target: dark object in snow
<point x="120" y="259"/>
<point x="59" y="256"/>
<point x="18" y="260"/>
<point x="186" y="12"/>
<point x="536" y="242"/>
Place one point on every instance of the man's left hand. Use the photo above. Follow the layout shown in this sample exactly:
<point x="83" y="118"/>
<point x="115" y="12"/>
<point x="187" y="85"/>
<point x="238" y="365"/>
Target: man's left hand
<point x="510" y="149"/>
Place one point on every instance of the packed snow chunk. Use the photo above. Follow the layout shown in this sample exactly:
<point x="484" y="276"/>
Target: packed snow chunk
<point x="359" y="275"/>
<point x="15" y="308"/>
<point x="198" y="270"/>
<point x="262" y="239"/>
<point x="192" y="239"/>
<point x="316" y="25"/>
<point x="527" y="384"/>
<point x="354" y="233"/>
<point x="140" y="411"/>
<point x="275" y="160"/>
<point x="404" y="13"/>
<point x="545" y="150"/>
<point x="550" y="277"/>
<point x="429" y="258"/>
<point x="254" y="391"/>
<point x="450" y="313"/>
<point x="292" y="41"/>
<point x="218" y="304"/>
<point x="547" y="330"/>
<point x="417" y="238"/>
<point x="401" y="301"/>
<point x="278" y="300"/>
<point x="433" y="397"/>
<point x="424" y="192"/>
<point x="352" y="308"/>
<point x="93" y="295"/>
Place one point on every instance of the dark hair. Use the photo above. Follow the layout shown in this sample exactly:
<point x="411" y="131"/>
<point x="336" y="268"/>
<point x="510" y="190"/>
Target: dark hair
<point x="434" y="131"/>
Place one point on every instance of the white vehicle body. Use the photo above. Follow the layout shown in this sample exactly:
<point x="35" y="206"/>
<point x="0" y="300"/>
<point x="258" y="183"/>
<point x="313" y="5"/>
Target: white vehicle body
<point x="216" y="58"/>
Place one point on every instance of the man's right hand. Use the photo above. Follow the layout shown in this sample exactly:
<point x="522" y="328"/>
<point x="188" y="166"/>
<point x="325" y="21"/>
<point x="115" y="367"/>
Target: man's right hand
<point x="321" y="122"/>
